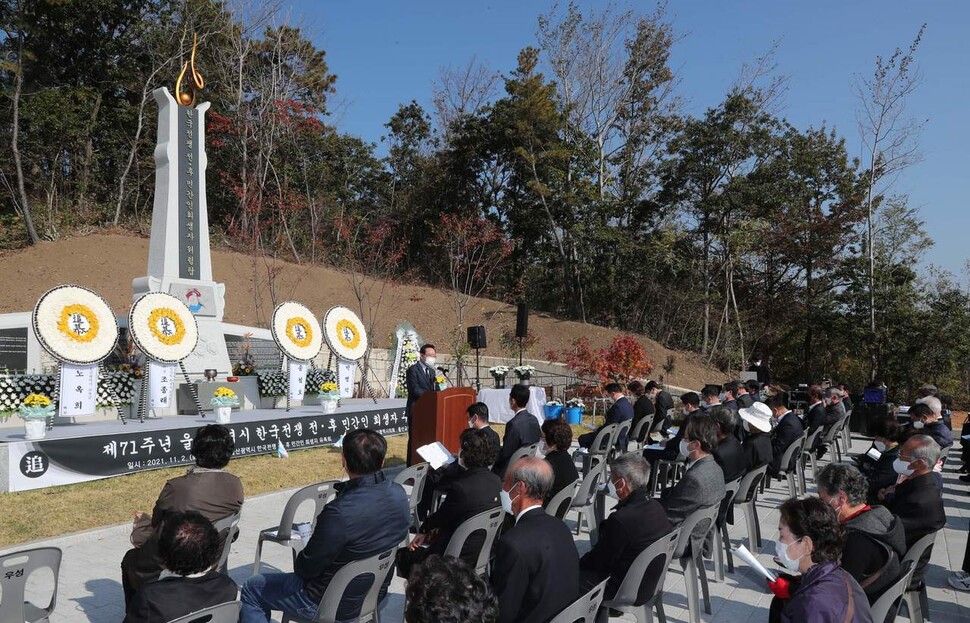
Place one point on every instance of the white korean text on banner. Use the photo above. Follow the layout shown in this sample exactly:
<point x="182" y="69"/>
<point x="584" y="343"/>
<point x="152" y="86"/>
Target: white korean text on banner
<point x="161" y="385"/>
<point x="62" y="461"/>
<point x="345" y="377"/>
<point x="297" y="376"/>
<point x="79" y="390"/>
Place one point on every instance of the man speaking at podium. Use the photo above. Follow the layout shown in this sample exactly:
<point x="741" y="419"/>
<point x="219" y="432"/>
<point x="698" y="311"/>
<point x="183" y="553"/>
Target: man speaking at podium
<point x="420" y="379"/>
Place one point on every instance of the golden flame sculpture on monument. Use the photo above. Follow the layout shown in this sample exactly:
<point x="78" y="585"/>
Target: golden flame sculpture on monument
<point x="179" y="257"/>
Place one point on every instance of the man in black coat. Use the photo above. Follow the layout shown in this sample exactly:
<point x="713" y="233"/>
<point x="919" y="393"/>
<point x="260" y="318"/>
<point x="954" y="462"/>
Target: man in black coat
<point x="662" y="400"/>
<point x="744" y="397"/>
<point x="478" y="419"/>
<point x="917" y="500"/>
<point x="473" y="489"/>
<point x="632" y="527"/>
<point x="787" y="429"/>
<point x="620" y="411"/>
<point x="643" y="408"/>
<point x="761" y="368"/>
<point x="536" y="571"/>
<point x="728" y="453"/>
<point x="521" y="430"/>
<point x="189" y="547"/>
<point x="818" y="417"/>
<point x="420" y="380"/>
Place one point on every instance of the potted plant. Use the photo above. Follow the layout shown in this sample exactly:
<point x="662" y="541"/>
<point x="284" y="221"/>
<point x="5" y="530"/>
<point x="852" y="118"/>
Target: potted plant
<point x="34" y="411"/>
<point x="329" y="396"/>
<point x="223" y="400"/>
<point x="553" y="410"/>
<point x="440" y="380"/>
<point x="574" y="411"/>
<point x="499" y="373"/>
<point x="524" y="373"/>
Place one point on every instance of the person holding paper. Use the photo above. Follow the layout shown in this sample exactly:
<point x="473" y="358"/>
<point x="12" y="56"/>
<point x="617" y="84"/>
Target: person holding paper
<point x="420" y="379"/>
<point x="787" y="429"/>
<point x="810" y="543"/>
<point x="473" y="490"/>
<point x="877" y="464"/>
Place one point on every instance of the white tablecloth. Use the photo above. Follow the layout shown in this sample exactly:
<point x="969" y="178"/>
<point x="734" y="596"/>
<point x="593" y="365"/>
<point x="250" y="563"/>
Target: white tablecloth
<point x="497" y="401"/>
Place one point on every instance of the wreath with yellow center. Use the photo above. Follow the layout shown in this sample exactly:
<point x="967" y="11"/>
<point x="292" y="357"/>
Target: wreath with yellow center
<point x="156" y="320"/>
<point x="293" y="332"/>
<point x="347" y="334"/>
<point x="74" y="325"/>
<point x="79" y="323"/>
<point x="296" y="331"/>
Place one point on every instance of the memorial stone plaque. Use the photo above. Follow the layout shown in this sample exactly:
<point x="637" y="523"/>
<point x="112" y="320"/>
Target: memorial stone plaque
<point x="265" y="353"/>
<point x="13" y="349"/>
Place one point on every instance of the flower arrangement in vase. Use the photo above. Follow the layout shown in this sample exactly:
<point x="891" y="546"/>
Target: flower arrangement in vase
<point x="246" y="366"/>
<point x="223" y="400"/>
<point x="329" y="396"/>
<point x="499" y="373"/>
<point x="34" y="411"/>
<point x="524" y="373"/>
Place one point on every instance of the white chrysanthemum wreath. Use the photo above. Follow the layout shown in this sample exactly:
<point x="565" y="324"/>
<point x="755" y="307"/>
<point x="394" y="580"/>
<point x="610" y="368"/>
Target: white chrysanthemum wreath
<point x="163" y="327"/>
<point x="75" y="325"/>
<point x="345" y="333"/>
<point x="296" y="331"/>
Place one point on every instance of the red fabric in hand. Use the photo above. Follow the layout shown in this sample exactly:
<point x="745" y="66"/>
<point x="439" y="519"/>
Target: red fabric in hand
<point x="780" y="588"/>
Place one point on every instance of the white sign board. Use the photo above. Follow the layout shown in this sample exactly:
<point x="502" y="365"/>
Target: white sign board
<point x="296" y="372"/>
<point x="161" y="384"/>
<point x="345" y="377"/>
<point x="78" y="391"/>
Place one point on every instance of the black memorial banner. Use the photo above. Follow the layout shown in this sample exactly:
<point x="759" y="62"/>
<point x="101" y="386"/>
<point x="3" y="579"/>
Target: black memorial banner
<point x="54" y="462"/>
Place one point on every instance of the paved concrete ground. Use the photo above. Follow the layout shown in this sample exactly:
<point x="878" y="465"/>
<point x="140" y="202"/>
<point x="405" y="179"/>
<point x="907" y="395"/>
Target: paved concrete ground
<point x="89" y="587"/>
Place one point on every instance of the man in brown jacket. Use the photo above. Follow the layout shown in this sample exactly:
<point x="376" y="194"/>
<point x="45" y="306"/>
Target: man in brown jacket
<point x="206" y="489"/>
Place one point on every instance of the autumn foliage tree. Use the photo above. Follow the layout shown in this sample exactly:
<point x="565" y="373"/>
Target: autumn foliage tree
<point x="623" y="360"/>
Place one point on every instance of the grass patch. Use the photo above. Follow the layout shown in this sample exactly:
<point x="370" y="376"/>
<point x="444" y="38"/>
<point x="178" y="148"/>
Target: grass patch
<point x="46" y="513"/>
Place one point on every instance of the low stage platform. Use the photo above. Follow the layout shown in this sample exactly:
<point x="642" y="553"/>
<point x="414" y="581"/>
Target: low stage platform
<point x="81" y="452"/>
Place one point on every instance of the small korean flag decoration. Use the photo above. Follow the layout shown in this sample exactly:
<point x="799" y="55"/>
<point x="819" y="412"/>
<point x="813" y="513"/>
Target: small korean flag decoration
<point x="75" y="325"/>
<point x="296" y="331"/>
<point x="163" y="327"/>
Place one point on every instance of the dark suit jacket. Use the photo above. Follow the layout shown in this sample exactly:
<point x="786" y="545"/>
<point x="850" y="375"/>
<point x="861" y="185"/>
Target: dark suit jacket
<point x="369" y="515"/>
<point x="642" y="409"/>
<point x="701" y="486"/>
<point x="880" y="474"/>
<point x="917" y="502"/>
<point x="636" y="523"/>
<point x="493" y="439"/>
<point x="471" y="492"/>
<point x="757" y="450"/>
<point x="745" y="400"/>
<point x="215" y="494"/>
<point x="521" y="430"/>
<point x="164" y="600"/>
<point x="418" y="382"/>
<point x="563" y="471"/>
<point x="664" y="403"/>
<point x="764" y="373"/>
<point x="619" y="411"/>
<point x="730" y="457"/>
<point x="788" y="430"/>
<point x="536" y="572"/>
<point x="942" y="435"/>
<point x="820" y="417"/>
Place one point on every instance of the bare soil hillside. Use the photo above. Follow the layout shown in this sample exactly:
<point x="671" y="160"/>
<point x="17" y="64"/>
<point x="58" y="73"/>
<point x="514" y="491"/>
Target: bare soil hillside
<point x="107" y="263"/>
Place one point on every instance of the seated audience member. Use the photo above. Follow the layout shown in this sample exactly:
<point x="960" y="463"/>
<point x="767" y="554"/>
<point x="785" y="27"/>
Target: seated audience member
<point x="818" y="416"/>
<point x="946" y="401"/>
<point x="880" y="472"/>
<point x="754" y="390"/>
<point x="189" y="548"/>
<point x="557" y="436"/>
<point x="875" y="540"/>
<point x="728" y="452"/>
<point x="931" y="391"/>
<point x="370" y="515"/>
<point x="745" y="398"/>
<point x="756" y="421"/>
<point x="206" y="488"/>
<point x="788" y="428"/>
<point x="917" y="500"/>
<point x="834" y="412"/>
<point x="702" y="484"/>
<point x="521" y="430"/>
<point x="438" y="478"/>
<point x="620" y="411"/>
<point x="670" y="450"/>
<point x="473" y="490"/>
<point x="810" y="543"/>
<point x="710" y="397"/>
<point x="536" y="571"/>
<point x="846" y="400"/>
<point x="926" y="417"/>
<point x="447" y="590"/>
<point x="663" y="402"/>
<point x="731" y="395"/>
<point x="643" y="408"/>
<point x="632" y="527"/>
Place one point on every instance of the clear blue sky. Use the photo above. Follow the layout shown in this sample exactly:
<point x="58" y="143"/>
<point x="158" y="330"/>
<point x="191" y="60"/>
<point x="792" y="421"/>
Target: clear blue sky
<point x="386" y="53"/>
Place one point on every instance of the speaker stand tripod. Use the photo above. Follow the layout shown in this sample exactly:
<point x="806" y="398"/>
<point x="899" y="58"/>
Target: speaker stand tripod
<point x="478" y="380"/>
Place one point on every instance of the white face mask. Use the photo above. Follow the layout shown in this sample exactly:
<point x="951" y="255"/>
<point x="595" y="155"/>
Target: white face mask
<point x="879" y="445"/>
<point x="722" y="397"/>
<point x="745" y="426"/>
<point x="611" y="490"/>
<point x="506" y="500"/>
<point x="471" y="423"/>
<point x="684" y="452"/>
<point x="918" y="424"/>
<point x="902" y="467"/>
<point x="781" y="551"/>
<point x="543" y="448"/>
<point x="430" y="361"/>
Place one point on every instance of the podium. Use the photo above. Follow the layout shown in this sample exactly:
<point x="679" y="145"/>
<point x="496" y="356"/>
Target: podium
<point x="440" y="416"/>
